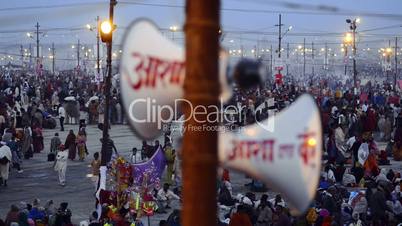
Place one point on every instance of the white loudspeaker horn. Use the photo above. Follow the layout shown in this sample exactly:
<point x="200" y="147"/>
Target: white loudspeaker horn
<point x="152" y="72"/>
<point x="283" y="151"/>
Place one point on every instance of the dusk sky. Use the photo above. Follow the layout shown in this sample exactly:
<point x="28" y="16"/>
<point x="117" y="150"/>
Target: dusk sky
<point x="17" y="18"/>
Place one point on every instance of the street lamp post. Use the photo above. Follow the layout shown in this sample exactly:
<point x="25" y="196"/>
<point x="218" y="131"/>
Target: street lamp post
<point x="173" y="29"/>
<point x="89" y="27"/>
<point x="353" y="27"/>
<point x="107" y="28"/>
<point x="396" y="62"/>
<point x="97" y="46"/>
<point x="280" y="37"/>
<point x="37" y="40"/>
<point x="388" y="53"/>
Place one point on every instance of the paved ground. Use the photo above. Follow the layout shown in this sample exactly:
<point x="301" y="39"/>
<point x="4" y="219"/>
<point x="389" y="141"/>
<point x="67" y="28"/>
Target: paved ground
<point x="40" y="181"/>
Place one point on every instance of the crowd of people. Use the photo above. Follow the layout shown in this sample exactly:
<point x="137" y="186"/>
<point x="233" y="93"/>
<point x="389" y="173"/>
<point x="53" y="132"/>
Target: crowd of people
<point x="31" y="103"/>
<point x="357" y="184"/>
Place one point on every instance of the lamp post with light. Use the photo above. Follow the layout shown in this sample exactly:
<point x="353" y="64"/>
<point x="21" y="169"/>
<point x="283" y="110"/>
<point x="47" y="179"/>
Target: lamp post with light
<point x="347" y="41"/>
<point x="106" y="31"/>
<point x="279" y="68"/>
<point x="387" y="53"/>
<point x="173" y="29"/>
<point x="91" y="28"/>
<point x="353" y="27"/>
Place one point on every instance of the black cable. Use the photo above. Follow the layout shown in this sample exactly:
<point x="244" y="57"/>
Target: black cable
<point x="51" y="6"/>
<point x="311" y="13"/>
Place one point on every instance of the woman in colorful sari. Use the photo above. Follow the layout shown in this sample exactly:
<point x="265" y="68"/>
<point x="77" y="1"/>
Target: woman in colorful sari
<point x="81" y="144"/>
<point x="70" y="145"/>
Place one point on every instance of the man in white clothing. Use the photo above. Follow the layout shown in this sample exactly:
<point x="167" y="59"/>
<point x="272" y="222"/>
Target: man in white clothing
<point x="62" y="116"/>
<point x="61" y="165"/>
<point x="5" y="159"/>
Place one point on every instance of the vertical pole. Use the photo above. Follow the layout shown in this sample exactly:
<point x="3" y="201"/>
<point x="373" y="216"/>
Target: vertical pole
<point x="30" y="54"/>
<point x="78" y="54"/>
<point x="396" y="62"/>
<point x="22" y="55"/>
<point x="105" y="132"/>
<point x="346" y="59"/>
<point x="97" y="45"/>
<point x="271" y="69"/>
<point x="53" y="58"/>
<point x="304" y="58"/>
<point x="280" y="36"/>
<point x="388" y="60"/>
<point x="312" y="58"/>
<point x="201" y="89"/>
<point x="354" y="56"/>
<point x="326" y="57"/>
<point x="37" y="40"/>
<point x="287" y="59"/>
<point x="257" y="48"/>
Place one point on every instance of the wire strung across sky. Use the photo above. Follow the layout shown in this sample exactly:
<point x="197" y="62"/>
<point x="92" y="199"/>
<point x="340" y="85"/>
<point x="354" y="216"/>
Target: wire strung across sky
<point x="312" y="13"/>
<point x="319" y="10"/>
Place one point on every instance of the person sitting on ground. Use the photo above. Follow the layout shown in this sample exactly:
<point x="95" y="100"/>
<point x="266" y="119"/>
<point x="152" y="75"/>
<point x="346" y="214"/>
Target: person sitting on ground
<point x="37" y="212"/>
<point x="63" y="215"/>
<point x="382" y="176"/>
<point x="348" y="179"/>
<point x="264" y="211"/>
<point x="93" y="219"/>
<point x="165" y="196"/>
<point x="282" y="216"/>
<point x="225" y="196"/>
<point x="12" y="215"/>
<point x="339" y="172"/>
<point x="240" y="218"/>
<point x="277" y="201"/>
<point x="329" y="175"/>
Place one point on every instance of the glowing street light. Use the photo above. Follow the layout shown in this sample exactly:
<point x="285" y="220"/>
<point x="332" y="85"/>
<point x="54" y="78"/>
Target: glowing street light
<point x="106" y="30"/>
<point x="348" y="39"/>
<point x="173" y="28"/>
<point x="106" y="27"/>
<point x="358" y="20"/>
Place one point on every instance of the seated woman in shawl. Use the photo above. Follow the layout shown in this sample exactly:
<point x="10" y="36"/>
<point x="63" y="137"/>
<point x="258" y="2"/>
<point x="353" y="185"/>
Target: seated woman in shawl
<point x="370" y="166"/>
<point x="348" y="179"/>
